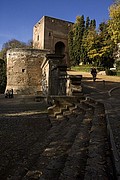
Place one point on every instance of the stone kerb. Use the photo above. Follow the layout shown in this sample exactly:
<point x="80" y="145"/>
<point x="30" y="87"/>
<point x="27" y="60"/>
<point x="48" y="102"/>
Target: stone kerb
<point x="24" y="70"/>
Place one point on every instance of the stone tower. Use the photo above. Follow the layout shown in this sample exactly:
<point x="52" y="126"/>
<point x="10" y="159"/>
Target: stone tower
<point x="24" y="70"/>
<point x="51" y="33"/>
<point x="24" y="74"/>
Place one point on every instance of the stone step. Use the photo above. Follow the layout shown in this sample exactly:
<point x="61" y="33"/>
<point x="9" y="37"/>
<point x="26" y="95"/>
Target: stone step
<point x="54" y="155"/>
<point x="76" y="161"/>
<point x="60" y="117"/>
<point x="59" y="150"/>
<point x="71" y="140"/>
<point x="66" y="113"/>
<point x="98" y="146"/>
<point x="75" y="146"/>
<point x="72" y="108"/>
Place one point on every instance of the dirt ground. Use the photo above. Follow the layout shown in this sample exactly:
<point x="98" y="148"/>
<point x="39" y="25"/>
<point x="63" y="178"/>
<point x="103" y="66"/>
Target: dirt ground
<point x="31" y="145"/>
<point x="99" y="76"/>
<point x="103" y="83"/>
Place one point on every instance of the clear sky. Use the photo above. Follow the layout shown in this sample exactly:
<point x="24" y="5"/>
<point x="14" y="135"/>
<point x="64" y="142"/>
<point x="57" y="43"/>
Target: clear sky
<point x="17" y="17"/>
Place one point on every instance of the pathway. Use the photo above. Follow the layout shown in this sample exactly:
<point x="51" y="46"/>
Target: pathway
<point x="74" y="146"/>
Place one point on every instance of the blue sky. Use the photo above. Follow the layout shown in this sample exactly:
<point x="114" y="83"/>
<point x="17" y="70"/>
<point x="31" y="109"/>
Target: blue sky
<point x="17" y="17"/>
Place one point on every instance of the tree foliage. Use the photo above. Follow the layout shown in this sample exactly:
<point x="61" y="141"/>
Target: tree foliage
<point x="71" y="49"/>
<point x="3" y="77"/>
<point x="99" y="46"/>
<point x="114" y="22"/>
<point x="116" y="1"/>
<point x="78" y="31"/>
<point x="90" y="45"/>
<point x="77" y="40"/>
<point x="6" y="46"/>
<point x="13" y="44"/>
<point x="106" y="46"/>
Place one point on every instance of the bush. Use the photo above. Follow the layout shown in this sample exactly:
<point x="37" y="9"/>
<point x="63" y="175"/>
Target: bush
<point x="118" y="73"/>
<point x="110" y="72"/>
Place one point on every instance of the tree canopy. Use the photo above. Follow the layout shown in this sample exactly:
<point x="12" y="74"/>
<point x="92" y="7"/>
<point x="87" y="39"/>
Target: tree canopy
<point x="96" y="46"/>
<point x="77" y="39"/>
<point x="114" y="22"/>
<point x="13" y="44"/>
<point x="117" y="1"/>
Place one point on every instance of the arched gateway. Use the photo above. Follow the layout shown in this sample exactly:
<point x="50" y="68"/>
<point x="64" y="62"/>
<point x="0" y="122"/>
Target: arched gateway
<point x="59" y="48"/>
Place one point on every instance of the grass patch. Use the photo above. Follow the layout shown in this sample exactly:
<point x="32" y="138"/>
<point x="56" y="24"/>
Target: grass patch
<point x="118" y="73"/>
<point x="87" y="68"/>
<point x="82" y="68"/>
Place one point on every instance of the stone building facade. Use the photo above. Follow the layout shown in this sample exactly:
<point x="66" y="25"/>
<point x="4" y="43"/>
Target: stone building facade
<point x="54" y="75"/>
<point x="51" y="33"/>
<point x="24" y="66"/>
<point x="24" y="74"/>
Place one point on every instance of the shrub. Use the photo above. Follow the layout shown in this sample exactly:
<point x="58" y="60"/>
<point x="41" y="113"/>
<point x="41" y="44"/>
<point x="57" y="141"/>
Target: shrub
<point x="110" y="72"/>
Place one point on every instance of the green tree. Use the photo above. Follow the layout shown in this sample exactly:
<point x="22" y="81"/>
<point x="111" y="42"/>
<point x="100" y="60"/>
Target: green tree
<point x="3" y="54"/>
<point x="106" y="46"/>
<point x="93" y="24"/>
<point x="6" y="46"/>
<point x="100" y="46"/>
<point x="71" y="50"/>
<point x="13" y="44"/>
<point x="78" y="31"/>
<point x="114" y="22"/>
<point x="91" y="43"/>
<point x="2" y="76"/>
<point x="114" y="29"/>
<point x="87" y="24"/>
<point x="116" y="1"/>
<point x="77" y="40"/>
<point x="29" y="44"/>
<point x="78" y="35"/>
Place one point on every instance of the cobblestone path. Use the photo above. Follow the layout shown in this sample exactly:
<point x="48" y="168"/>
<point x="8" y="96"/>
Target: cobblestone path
<point x="68" y="147"/>
<point x="23" y="128"/>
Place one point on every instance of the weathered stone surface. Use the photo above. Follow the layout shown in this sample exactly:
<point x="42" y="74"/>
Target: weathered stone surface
<point x="36" y="146"/>
<point x="54" y="75"/>
<point x="24" y="72"/>
<point x="50" y="32"/>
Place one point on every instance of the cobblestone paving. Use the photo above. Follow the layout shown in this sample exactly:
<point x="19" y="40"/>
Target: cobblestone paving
<point x="23" y="128"/>
<point x="36" y="147"/>
<point x="107" y="90"/>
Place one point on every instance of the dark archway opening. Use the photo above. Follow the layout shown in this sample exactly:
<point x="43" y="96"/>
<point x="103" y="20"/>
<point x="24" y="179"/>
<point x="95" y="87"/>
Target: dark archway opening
<point x="59" y="48"/>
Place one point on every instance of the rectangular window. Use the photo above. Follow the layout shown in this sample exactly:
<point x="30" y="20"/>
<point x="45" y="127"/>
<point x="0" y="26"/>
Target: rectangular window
<point x="49" y="34"/>
<point x="38" y="38"/>
<point x="23" y="70"/>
